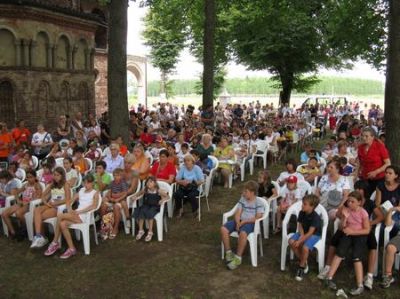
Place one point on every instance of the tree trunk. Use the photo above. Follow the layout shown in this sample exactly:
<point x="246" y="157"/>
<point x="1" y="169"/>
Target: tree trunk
<point x="117" y="73"/>
<point x="392" y="90"/>
<point x="287" y="87"/>
<point x="163" y="84"/>
<point x="209" y="52"/>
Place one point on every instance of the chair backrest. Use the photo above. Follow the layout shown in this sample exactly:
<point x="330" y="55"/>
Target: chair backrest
<point x="295" y="137"/>
<point x="262" y="145"/>
<point x="323" y="163"/>
<point x="21" y="174"/>
<point x="277" y="187"/>
<point x="35" y="162"/>
<point x="215" y="161"/>
<point x="78" y="181"/>
<point x="300" y="166"/>
<point x="90" y="163"/>
<point x="294" y="210"/>
<point x="305" y="187"/>
<point x="373" y="195"/>
<point x="60" y="162"/>
<point x="149" y="156"/>
<point x="166" y="187"/>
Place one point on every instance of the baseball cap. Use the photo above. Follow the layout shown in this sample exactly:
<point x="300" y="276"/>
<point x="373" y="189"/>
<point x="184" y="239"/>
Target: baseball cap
<point x="159" y="139"/>
<point x="291" y="179"/>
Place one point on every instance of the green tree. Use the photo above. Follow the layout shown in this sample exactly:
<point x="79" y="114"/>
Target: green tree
<point x="292" y="38"/>
<point x="392" y="92"/>
<point x="164" y="33"/>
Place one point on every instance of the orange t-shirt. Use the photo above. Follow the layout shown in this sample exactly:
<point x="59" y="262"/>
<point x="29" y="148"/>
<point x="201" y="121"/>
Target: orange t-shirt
<point x="21" y="135"/>
<point x="5" y="139"/>
<point x="138" y="164"/>
<point x="80" y="166"/>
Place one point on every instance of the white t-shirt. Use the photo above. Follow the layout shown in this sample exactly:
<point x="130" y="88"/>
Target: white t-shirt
<point x="40" y="138"/>
<point x="290" y="196"/>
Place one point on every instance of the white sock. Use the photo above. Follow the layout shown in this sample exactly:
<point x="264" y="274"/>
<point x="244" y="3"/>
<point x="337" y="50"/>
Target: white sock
<point x="239" y="257"/>
<point x="228" y="251"/>
<point x="370" y="275"/>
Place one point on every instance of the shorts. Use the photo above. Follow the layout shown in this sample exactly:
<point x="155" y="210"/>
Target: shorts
<point x="356" y="243"/>
<point x="310" y="242"/>
<point x="247" y="228"/>
<point x="395" y="242"/>
<point x="371" y="240"/>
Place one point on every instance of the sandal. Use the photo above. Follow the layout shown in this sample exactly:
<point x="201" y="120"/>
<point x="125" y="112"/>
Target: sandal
<point x="149" y="237"/>
<point x="112" y="236"/>
<point x="139" y="235"/>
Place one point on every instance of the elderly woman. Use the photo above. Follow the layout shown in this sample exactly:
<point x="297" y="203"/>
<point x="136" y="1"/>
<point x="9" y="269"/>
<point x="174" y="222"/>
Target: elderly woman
<point x="114" y="160"/>
<point x="63" y="129"/>
<point x="130" y="176"/>
<point x="205" y="147"/>
<point x="188" y="179"/>
<point x="333" y="188"/>
<point x="225" y="152"/>
<point x="142" y="163"/>
<point x="163" y="170"/>
<point x="373" y="158"/>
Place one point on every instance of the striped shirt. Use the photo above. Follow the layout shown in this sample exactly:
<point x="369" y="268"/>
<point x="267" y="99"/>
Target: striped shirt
<point x="118" y="187"/>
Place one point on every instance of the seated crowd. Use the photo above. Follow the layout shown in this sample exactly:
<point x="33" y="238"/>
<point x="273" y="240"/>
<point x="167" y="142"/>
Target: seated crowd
<point x="79" y="168"/>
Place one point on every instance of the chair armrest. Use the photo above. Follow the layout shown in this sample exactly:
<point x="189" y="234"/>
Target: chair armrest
<point x="387" y="231"/>
<point x="226" y="215"/>
<point x="9" y="200"/>
<point x="257" y="223"/>
<point x="34" y="203"/>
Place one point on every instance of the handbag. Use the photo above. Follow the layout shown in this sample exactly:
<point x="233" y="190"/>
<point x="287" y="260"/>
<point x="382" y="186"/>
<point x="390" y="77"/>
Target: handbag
<point x="189" y="187"/>
<point x="46" y="149"/>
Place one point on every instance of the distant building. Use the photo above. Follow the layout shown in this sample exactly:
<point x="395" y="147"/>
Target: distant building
<point x="52" y="54"/>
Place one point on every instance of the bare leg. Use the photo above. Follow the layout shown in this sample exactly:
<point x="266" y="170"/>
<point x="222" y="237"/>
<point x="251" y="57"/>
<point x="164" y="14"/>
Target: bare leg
<point x="20" y="214"/>
<point x="6" y="217"/>
<point x="225" y="175"/>
<point x="389" y="258"/>
<point x="334" y="266"/>
<point x="67" y="235"/>
<point x="331" y="255"/>
<point x="242" y="243"/>
<point x="225" y="238"/>
<point x="296" y="251"/>
<point x="117" y="218"/>
<point x="358" y="268"/>
<point x="141" y="222"/>
<point x="304" y="256"/>
<point x="151" y="222"/>
<point x="125" y="207"/>
<point x="371" y="260"/>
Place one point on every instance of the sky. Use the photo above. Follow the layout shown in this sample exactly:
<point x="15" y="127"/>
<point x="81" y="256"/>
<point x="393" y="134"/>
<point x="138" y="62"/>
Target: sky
<point x="188" y="68"/>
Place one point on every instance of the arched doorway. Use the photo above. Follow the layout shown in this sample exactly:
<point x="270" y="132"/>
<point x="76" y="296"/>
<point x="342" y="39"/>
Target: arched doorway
<point x="7" y="104"/>
<point x="137" y="91"/>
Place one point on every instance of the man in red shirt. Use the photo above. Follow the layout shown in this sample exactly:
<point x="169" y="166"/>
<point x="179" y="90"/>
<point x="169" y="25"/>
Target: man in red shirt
<point x="21" y="134"/>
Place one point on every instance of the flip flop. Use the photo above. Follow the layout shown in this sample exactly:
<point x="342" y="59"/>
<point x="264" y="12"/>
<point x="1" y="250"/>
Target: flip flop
<point x="112" y="236"/>
<point x="139" y="235"/>
<point x="149" y="237"/>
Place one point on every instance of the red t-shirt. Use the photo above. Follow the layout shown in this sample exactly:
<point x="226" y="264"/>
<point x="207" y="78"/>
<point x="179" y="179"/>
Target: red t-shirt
<point x="372" y="159"/>
<point x="5" y="141"/>
<point x="164" y="173"/>
<point x="146" y="138"/>
<point x="20" y="135"/>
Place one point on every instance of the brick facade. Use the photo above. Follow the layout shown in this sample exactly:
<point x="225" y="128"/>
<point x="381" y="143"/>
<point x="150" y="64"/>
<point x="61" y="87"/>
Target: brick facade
<point x="48" y="59"/>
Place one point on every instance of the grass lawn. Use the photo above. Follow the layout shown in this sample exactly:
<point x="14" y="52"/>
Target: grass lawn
<point x="187" y="264"/>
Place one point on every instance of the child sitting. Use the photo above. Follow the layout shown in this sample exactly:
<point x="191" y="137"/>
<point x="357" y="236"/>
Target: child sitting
<point x="266" y="188"/>
<point x="184" y="150"/>
<point x="289" y="196"/>
<point x="116" y="199"/>
<point x="153" y="197"/>
<point x="47" y="176"/>
<point x="93" y="153"/>
<point x="250" y="208"/>
<point x="347" y="169"/>
<point x="80" y="162"/>
<point x="309" y="233"/>
<point x="311" y="170"/>
<point x="203" y="161"/>
<point x="356" y="227"/>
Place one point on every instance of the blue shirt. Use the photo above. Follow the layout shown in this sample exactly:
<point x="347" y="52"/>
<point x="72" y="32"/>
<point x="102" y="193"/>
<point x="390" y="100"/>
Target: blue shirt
<point x="113" y="164"/>
<point x="196" y="174"/>
<point x="304" y="158"/>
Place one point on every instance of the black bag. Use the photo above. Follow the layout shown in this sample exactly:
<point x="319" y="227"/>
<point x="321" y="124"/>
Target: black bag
<point x="189" y="187"/>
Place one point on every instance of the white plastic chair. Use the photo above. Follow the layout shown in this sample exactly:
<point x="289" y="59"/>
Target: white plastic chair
<point x="84" y="228"/>
<point x="323" y="163"/>
<point x="60" y="162"/>
<point x="35" y="162"/>
<point x="243" y="167"/>
<point x="273" y="202"/>
<point x="319" y="246"/>
<point x="91" y="166"/>
<point x="131" y="204"/>
<point x="78" y="182"/>
<point x="214" y="170"/>
<point x="254" y="236"/>
<point x="20" y="174"/>
<point x="262" y="147"/>
<point x="304" y="187"/>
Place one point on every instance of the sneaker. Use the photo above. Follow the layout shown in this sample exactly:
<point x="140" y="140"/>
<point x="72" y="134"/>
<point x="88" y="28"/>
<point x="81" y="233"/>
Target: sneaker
<point x="53" y="247"/>
<point x="330" y="284"/>
<point x="229" y="256"/>
<point x="324" y="273"/>
<point x="236" y="262"/>
<point x="300" y="274"/>
<point x="368" y="282"/>
<point x="128" y="223"/>
<point x="357" y="291"/>
<point x="387" y="280"/>
<point x="42" y="241"/>
<point x="34" y="242"/>
<point x="68" y="253"/>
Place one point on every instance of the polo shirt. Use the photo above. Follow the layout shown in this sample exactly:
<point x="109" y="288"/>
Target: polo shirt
<point x="372" y="159"/>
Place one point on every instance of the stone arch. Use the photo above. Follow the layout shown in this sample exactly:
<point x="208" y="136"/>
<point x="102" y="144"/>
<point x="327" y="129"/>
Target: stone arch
<point x="8" y="55"/>
<point x="81" y="55"/>
<point x="62" y="52"/>
<point x="41" y="105"/>
<point x="137" y="65"/>
<point x="7" y="102"/>
<point x="40" y="58"/>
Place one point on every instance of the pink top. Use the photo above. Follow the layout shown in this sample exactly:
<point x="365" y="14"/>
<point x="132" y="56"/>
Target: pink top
<point x="354" y="219"/>
<point x="28" y="194"/>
